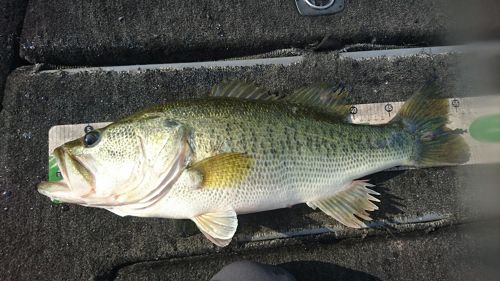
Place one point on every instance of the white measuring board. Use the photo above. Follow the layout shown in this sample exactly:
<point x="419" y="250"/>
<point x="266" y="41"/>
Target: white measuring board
<point x="463" y="111"/>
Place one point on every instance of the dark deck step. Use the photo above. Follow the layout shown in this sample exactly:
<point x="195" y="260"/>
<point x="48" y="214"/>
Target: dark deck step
<point x="117" y="32"/>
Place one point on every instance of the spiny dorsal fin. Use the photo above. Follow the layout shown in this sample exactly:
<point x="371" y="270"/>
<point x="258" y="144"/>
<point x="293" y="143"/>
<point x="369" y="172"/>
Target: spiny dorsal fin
<point x="242" y="90"/>
<point x="330" y="99"/>
<point x="218" y="227"/>
<point x="343" y="206"/>
<point x="225" y="170"/>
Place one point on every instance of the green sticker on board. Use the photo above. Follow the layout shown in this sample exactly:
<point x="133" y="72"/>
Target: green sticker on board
<point x="486" y="128"/>
<point x="54" y="172"/>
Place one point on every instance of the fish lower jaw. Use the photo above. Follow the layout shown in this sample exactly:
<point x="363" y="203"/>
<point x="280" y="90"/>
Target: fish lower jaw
<point x="158" y="209"/>
<point x="149" y="212"/>
<point x="59" y="192"/>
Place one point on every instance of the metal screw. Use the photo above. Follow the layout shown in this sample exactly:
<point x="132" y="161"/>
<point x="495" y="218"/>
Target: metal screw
<point x="320" y="4"/>
<point x="319" y="7"/>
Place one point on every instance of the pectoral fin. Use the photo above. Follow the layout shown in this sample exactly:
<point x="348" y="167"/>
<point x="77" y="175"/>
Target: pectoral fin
<point x="349" y="203"/>
<point x="218" y="227"/>
<point x="225" y="170"/>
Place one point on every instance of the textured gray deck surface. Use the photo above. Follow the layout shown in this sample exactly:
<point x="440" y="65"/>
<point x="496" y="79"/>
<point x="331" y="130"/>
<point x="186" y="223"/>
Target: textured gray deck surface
<point x="427" y="227"/>
<point x="43" y="241"/>
<point x="128" y="32"/>
<point x="430" y="255"/>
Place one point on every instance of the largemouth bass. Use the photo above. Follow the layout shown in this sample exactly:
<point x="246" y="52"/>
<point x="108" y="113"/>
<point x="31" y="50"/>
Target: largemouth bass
<point x="242" y="150"/>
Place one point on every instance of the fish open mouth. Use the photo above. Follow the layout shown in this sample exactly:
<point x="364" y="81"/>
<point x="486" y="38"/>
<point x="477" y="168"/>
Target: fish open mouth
<point x="77" y="181"/>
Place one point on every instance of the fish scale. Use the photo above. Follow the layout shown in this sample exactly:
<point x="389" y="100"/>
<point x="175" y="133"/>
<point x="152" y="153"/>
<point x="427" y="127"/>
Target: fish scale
<point x="302" y="160"/>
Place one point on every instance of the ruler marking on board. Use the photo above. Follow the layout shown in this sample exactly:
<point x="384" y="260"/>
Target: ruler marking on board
<point x="463" y="111"/>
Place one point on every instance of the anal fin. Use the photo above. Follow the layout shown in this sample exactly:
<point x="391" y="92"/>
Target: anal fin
<point x="349" y="204"/>
<point x="218" y="227"/>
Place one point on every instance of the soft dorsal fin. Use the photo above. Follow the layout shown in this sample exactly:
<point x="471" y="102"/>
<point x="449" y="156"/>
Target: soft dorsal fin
<point x="242" y="90"/>
<point x="353" y="201"/>
<point x="331" y="100"/>
<point x="224" y="170"/>
<point x="218" y="227"/>
<point x="328" y="98"/>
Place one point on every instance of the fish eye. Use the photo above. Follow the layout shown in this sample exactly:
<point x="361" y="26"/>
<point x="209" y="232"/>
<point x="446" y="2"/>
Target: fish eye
<point x="91" y="138"/>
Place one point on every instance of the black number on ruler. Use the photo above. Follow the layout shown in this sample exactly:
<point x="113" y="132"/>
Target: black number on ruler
<point x="388" y="107"/>
<point x="353" y="110"/>
<point x="455" y="103"/>
<point x="88" y="128"/>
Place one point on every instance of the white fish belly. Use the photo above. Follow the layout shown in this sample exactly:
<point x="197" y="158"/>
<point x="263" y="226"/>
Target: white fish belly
<point x="273" y="185"/>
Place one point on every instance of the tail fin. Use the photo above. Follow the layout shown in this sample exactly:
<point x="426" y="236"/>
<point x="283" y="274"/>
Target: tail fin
<point x="426" y="117"/>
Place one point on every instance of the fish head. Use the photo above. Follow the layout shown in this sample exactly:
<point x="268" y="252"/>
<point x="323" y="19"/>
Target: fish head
<point x="123" y="163"/>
